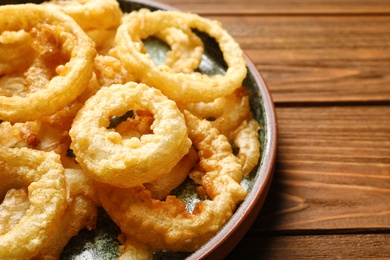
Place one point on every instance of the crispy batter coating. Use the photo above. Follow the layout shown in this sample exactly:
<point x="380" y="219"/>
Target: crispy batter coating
<point x="247" y="140"/>
<point x="60" y="42"/>
<point x="109" y="158"/>
<point x="43" y="175"/>
<point x="182" y="87"/>
<point x="91" y="14"/>
<point x="68" y="71"/>
<point x="162" y="187"/>
<point x="169" y="224"/>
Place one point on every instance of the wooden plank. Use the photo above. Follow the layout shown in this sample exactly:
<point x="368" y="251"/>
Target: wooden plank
<point x="277" y="7"/>
<point x="332" y="170"/>
<point x="318" y="59"/>
<point x="343" y="246"/>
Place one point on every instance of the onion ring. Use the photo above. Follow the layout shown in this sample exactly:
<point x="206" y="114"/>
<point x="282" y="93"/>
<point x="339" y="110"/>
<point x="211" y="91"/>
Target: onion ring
<point x="109" y="71"/>
<point x="105" y="14"/>
<point x="43" y="173"/>
<point x="183" y="87"/>
<point x="169" y="225"/>
<point x="162" y="187"/>
<point x="236" y="111"/>
<point x="128" y="162"/>
<point x="12" y="209"/>
<point x="139" y="124"/>
<point x="16" y="52"/>
<point x="232" y="117"/>
<point x="104" y="39"/>
<point x="186" y="49"/>
<point x="226" y="113"/>
<point x="247" y="140"/>
<point x="72" y="77"/>
<point x="80" y="213"/>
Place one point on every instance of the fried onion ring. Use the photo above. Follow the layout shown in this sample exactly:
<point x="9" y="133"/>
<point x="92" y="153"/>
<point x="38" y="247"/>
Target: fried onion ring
<point x="66" y="37"/>
<point x="162" y="187"/>
<point x="80" y="213"/>
<point x="169" y="225"/>
<point x="109" y="158"/>
<point x="104" y="39"/>
<point x="12" y="209"/>
<point x="105" y="14"/>
<point x="186" y="49"/>
<point x="16" y="52"/>
<point x="43" y="173"/>
<point x="183" y="87"/>
<point x="247" y="140"/>
<point x="226" y="114"/>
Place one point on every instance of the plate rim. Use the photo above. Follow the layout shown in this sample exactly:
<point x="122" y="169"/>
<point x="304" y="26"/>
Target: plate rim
<point x="238" y="225"/>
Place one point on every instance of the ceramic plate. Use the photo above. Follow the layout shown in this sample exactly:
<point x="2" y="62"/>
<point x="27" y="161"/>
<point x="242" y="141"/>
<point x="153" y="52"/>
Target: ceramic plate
<point x="101" y="243"/>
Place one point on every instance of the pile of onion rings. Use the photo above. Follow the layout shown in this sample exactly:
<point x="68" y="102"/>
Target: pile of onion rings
<point x="91" y="120"/>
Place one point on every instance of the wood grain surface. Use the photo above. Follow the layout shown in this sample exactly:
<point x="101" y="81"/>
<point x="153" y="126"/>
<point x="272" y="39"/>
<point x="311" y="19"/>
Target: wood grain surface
<point x="332" y="170"/>
<point x="341" y="246"/>
<point x="327" y="66"/>
<point x="277" y="7"/>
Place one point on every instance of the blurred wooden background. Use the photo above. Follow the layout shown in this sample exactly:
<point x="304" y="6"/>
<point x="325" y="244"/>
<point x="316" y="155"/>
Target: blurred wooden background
<point x="327" y="66"/>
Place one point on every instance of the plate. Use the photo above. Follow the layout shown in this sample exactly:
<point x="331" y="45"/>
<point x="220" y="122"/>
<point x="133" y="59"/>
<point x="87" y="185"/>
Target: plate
<point x="101" y="242"/>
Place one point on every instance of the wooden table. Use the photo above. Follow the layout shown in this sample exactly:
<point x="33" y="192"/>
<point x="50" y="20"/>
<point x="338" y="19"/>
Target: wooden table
<point x="327" y="66"/>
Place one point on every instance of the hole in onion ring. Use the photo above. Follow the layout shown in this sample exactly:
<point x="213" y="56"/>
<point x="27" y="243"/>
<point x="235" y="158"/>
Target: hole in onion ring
<point x="116" y="120"/>
<point x="70" y="154"/>
<point x="213" y="50"/>
<point x="235" y="148"/>
<point x="157" y="49"/>
<point x="135" y="124"/>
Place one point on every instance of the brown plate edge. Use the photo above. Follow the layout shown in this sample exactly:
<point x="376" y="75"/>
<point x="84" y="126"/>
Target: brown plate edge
<point x="230" y="235"/>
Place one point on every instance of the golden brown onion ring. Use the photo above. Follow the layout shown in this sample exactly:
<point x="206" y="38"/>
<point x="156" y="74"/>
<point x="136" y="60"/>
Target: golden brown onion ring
<point x="167" y="224"/>
<point x="183" y="87"/>
<point x="109" y="158"/>
<point x="16" y="52"/>
<point x="232" y="117"/>
<point x="139" y="124"/>
<point x="226" y="113"/>
<point x="162" y="187"/>
<point x="92" y="14"/>
<point x="186" y="50"/>
<point x="81" y="212"/>
<point x="236" y="110"/>
<point x="109" y="71"/>
<point x="43" y="173"/>
<point x="71" y="79"/>
<point x="206" y="110"/>
<point x="104" y="39"/>
<point x="12" y="209"/>
<point x="19" y="134"/>
<point x="247" y="140"/>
